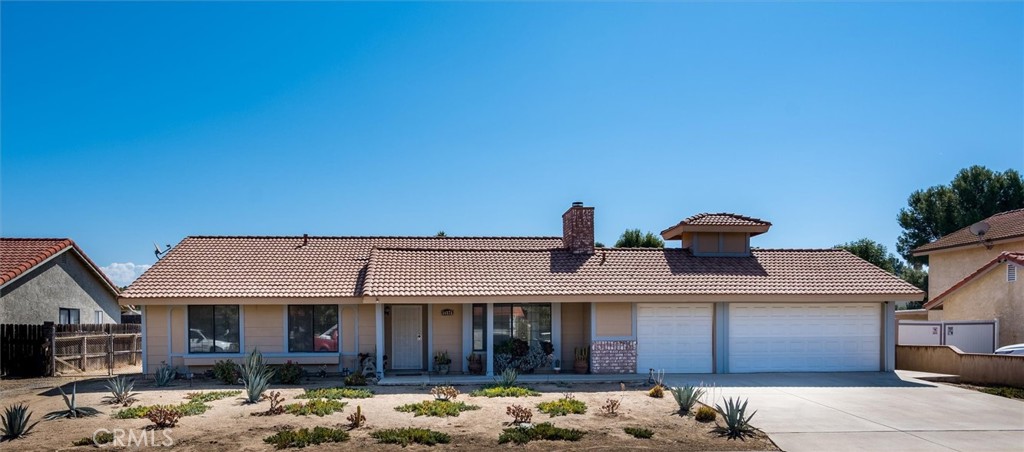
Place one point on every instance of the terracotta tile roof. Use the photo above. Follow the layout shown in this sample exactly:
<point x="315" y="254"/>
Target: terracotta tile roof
<point x="625" y="271"/>
<point x="721" y="221"/>
<point x="284" y="267"/>
<point x="1015" y="257"/>
<point x="19" y="255"/>
<point x="1004" y="225"/>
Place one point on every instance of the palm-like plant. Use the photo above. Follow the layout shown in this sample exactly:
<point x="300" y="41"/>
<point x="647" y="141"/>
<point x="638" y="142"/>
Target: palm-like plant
<point x="16" y="422"/>
<point x="256" y="375"/>
<point x="73" y="411"/>
<point x="737" y="423"/>
<point x="686" y="397"/>
<point x="121" y="391"/>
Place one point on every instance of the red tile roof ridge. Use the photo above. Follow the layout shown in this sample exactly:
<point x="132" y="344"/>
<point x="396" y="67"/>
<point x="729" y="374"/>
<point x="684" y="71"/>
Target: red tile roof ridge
<point x="450" y="237"/>
<point x="728" y="214"/>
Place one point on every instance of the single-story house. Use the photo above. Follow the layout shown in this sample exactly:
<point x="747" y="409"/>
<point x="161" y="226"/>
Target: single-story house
<point x="715" y="304"/>
<point x="974" y="276"/>
<point x="52" y="280"/>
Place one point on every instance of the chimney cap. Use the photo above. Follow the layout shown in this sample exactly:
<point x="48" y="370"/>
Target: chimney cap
<point x="577" y="204"/>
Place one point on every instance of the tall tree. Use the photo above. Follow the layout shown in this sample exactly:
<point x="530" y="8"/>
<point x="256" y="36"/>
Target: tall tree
<point x="633" y="238"/>
<point x="974" y="194"/>
<point x="878" y="254"/>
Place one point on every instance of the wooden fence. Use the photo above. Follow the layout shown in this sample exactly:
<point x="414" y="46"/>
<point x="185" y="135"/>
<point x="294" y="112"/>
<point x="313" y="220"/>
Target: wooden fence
<point x="48" y="349"/>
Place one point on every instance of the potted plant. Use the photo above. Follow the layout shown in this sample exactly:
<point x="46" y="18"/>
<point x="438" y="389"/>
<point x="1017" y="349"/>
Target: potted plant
<point x="476" y="364"/>
<point x="442" y="362"/>
<point x="582" y="363"/>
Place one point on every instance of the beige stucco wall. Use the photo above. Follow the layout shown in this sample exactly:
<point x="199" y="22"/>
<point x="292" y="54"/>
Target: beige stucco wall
<point x="948" y="267"/>
<point x="706" y="242"/>
<point x="156" y="336"/>
<point x="264" y="328"/>
<point x="367" y="329"/>
<point x="614" y="319"/>
<point x="734" y="243"/>
<point x="448" y="334"/>
<point x="972" y="368"/>
<point x="575" y="330"/>
<point x="988" y="297"/>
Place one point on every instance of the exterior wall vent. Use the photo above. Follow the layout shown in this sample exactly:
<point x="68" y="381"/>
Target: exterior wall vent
<point x="1011" y="272"/>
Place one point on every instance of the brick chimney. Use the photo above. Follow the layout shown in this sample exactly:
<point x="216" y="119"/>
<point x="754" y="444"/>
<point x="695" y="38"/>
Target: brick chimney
<point x="578" y="229"/>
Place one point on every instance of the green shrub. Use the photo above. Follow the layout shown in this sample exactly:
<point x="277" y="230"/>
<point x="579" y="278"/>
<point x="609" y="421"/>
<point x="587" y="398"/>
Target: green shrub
<point x="304" y="437"/>
<point x="436" y="408"/>
<point x="686" y="397"/>
<point x="504" y="391"/>
<point x="1003" y="391"/>
<point x="705" y="414"/>
<point x="226" y="371"/>
<point x="355" y="379"/>
<point x="211" y="396"/>
<point x="289" y="373"/>
<point x="737" y="423"/>
<point x="657" y="392"/>
<point x="639" y="432"/>
<point x="14" y="423"/>
<point x="336" y="393"/>
<point x="543" y="431"/>
<point x="315" y="406"/>
<point x="191" y="408"/>
<point x="562" y="407"/>
<point x="409" y="435"/>
<point x="99" y="439"/>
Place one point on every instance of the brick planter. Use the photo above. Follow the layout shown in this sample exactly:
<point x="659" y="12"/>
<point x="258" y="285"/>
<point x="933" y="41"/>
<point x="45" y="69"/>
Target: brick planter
<point x="613" y="357"/>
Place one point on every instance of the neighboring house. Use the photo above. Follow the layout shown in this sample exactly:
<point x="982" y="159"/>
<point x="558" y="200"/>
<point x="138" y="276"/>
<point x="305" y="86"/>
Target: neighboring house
<point x="714" y="305"/>
<point x="976" y="278"/>
<point x="52" y="280"/>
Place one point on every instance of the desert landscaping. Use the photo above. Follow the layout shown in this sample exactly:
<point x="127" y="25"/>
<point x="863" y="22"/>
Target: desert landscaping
<point x="228" y="423"/>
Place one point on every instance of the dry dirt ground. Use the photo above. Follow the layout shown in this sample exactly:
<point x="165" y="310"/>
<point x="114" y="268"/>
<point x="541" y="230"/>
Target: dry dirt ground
<point x="228" y="425"/>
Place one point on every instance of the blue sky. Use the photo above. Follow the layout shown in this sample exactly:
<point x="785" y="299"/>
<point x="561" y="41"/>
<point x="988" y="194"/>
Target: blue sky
<point x="129" y="123"/>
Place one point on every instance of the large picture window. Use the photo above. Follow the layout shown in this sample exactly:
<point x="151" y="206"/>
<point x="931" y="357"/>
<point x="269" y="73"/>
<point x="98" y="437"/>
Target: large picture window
<point x="529" y="322"/>
<point x="313" y="328"/>
<point x="213" y="329"/>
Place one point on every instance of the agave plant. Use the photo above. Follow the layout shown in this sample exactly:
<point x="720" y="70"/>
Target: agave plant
<point x="686" y="397"/>
<point x="256" y="375"/>
<point x="507" y="378"/>
<point x="737" y="423"/>
<point x="16" y="422"/>
<point x="121" y="391"/>
<point x="165" y="375"/>
<point x="73" y="411"/>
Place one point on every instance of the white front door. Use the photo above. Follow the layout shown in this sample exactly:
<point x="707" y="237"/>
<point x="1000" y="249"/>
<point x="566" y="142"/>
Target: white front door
<point x="674" y="337"/>
<point x="804" y="337"/>
<point x="407" y="337"/>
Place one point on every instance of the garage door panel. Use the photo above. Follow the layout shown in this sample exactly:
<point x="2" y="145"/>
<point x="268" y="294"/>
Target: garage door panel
<point x="675" y="337"/>
<point x="794" y="337"/>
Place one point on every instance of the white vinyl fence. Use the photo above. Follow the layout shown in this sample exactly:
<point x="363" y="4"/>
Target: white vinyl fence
<point x="970" y="336"/>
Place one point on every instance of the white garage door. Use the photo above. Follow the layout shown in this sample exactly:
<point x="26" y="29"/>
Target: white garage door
<point x="675" y="337"/>
<point x="778" y="337"/>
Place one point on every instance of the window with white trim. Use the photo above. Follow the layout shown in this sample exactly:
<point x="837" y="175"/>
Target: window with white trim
<point x="213" y="329"/>
<point x="98" y="316"/>
<point x="313" y="328"/>
<point x="68" y="316"/>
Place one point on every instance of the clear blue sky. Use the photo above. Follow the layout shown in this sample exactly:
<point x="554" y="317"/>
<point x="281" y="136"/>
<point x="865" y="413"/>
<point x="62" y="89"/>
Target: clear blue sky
<point x="128" y="123"/>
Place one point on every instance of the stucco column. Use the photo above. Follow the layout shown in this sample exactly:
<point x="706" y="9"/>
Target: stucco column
<point x="888" y="336"/>
<point x="556" y="331"/>
<point x="379" y="331"/>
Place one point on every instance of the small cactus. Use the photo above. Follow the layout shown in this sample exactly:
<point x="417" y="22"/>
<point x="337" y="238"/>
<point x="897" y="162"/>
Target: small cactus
<point x="356" y="419"/>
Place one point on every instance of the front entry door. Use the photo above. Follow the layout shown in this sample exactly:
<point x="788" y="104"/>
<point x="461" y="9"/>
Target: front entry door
<point x="407" y="337"/>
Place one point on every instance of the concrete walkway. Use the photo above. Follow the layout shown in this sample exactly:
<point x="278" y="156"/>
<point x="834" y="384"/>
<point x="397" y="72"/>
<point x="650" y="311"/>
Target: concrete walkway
<point x="871" y="412"/>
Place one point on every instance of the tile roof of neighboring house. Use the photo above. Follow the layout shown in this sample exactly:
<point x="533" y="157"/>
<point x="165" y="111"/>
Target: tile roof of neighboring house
<point x="19" y="255"/>
<point x="624" y="271"/>
<point x="717" y="221"/>
<point x="284" y="266"/>
<point x="1004" y="225"/>
<point x="1006" y="256"/>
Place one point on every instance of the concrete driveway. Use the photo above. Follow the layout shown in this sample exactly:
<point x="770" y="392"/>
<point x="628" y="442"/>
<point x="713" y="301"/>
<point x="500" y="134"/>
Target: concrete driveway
<point x="871" y="411"/>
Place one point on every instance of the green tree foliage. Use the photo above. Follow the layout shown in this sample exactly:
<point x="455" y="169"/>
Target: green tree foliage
<point x="599" y="245"/>
<point x="633" y="238"/>
<point x="441" y="234"/>
<point x="878" y="254"/>
<point x="974" y="194"/>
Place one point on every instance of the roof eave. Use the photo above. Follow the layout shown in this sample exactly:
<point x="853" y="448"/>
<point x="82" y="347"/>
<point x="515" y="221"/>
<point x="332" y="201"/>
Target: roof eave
<point x="925" y="252"/>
